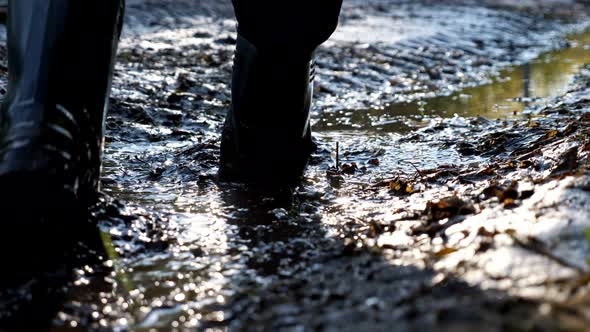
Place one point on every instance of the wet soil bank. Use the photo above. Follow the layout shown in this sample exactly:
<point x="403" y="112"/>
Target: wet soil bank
<point x="435" y="217"/>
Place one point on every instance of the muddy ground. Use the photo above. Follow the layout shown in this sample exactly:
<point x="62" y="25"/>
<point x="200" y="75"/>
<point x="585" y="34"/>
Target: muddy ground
<point x="439" y="215"/>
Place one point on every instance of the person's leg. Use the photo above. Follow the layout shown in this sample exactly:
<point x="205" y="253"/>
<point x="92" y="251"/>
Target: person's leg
<point x="60" y="60"/>
<point x="267" y="136"/>
<point x="299" y="26"/>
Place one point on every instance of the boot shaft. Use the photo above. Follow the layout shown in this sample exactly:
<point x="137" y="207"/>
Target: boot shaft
<point x="267" y="135"/>
<point x="62" y="52"/>
<point x="60" y="60"/>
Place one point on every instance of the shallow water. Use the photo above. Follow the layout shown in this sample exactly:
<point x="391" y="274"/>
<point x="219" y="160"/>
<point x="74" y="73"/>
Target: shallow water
<point x="510" y="91"/>
<point x="516" y="88"/>
<point x="224" y="245"/>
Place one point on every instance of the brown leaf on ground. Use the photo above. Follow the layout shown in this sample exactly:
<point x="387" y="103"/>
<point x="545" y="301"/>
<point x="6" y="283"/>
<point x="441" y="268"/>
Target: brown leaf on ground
<point x="400" y="187"/>
<point x="551" y="133"/>
<point x="525" y="164"/>
<point x="570" y="129"/>
<point x="486" y="171"/>
<point x="484" y="232"/>
<point x="445" y="252"/>
<point x="375" y="229"/>
<point x="509" y="203"/>
<point x="506" y="194"/>
<point x="447" y="208"/>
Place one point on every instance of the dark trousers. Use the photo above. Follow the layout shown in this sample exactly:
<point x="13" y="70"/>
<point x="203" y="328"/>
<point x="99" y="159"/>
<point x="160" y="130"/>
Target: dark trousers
<point x="296" y="26"/>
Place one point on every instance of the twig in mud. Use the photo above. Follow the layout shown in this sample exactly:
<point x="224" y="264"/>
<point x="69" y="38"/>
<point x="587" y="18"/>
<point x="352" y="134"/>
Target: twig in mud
<point x="337" y="156"/>
<point x="190" y="170"/>
<point x="142" y="161"/>
<point x="416" y="168"/>
<point x="540" y="248"/>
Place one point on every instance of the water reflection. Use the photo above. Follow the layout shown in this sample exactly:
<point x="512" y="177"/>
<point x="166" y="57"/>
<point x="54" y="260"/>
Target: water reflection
<point x="510" y="93"/>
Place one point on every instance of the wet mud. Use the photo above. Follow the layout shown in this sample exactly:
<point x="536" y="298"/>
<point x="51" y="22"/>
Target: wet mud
<point x="457" y="199"/>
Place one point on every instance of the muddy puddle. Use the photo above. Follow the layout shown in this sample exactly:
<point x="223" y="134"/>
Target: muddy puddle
<point x="510" y="91"/>
<point x="233" y="257"/>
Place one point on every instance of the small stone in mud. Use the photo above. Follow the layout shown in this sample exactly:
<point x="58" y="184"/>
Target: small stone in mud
<point x="157" y="173"/>
<point x="466" y="149"/>
<point x="197" y="252"/>
<point x="434" y="73"/>
<point x="336" y="181"/>
<point x="334" y="177"/>
<point x="568" y="163"/>
<point x="505" y="194"/>
<point x="374" y="162"/>
<point x="349" y="168"/>
<point x="202" y="34"/>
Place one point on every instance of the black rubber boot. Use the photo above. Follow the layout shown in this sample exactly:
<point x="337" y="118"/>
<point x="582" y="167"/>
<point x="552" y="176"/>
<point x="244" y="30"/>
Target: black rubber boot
<point x="267" y="134"/>
<point x="60" y="62"/>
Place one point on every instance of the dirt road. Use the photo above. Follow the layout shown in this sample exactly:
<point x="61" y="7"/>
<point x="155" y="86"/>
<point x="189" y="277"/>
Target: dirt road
<point x="461" y="202"/>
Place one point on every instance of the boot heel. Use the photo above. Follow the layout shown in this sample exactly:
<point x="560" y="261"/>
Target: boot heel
<point x="38" y="147"/>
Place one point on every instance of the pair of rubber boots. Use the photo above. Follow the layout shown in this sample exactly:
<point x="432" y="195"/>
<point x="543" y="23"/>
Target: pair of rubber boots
<point x="61" y="57"/>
